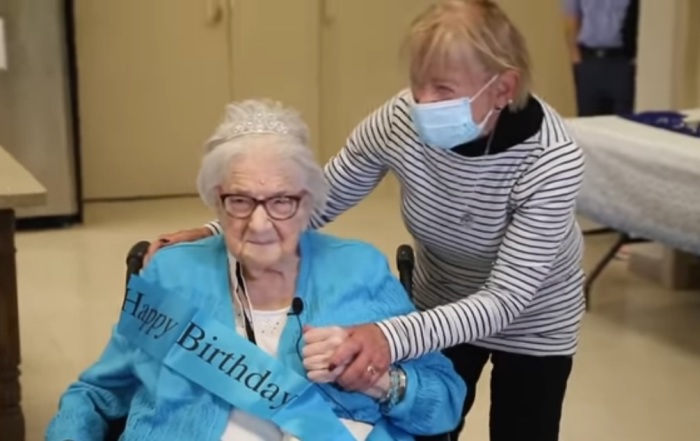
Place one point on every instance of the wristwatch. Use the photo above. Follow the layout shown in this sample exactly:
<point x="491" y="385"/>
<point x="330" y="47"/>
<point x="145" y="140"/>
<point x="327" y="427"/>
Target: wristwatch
<point x="397" y="389"/>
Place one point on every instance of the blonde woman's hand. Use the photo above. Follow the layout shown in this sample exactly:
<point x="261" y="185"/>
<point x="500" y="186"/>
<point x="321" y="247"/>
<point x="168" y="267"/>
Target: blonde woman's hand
<point x="321" y="344"/>
<point x="365" y="355"/>
<point x="173" y="238"/>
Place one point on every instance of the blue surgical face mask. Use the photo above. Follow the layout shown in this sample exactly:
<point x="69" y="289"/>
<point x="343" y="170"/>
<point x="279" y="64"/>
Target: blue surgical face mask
<point x="447" y="124"/>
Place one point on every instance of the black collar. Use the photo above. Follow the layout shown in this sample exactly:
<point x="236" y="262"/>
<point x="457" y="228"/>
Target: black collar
<point x="512" y="128"/>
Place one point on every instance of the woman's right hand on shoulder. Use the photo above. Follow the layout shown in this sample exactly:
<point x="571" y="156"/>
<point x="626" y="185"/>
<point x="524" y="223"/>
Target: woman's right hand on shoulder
<point x="173" y="238"/>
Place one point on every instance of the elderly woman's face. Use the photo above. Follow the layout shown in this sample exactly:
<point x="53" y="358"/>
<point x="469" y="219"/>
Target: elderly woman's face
<point x="265" y="209"/>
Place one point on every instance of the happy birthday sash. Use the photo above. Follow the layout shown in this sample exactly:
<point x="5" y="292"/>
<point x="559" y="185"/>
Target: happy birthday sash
<point x="212" y="355"/>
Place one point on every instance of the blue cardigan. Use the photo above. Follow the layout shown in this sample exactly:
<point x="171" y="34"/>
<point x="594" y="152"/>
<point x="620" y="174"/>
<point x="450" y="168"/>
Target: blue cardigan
<point x="342" y="282"/>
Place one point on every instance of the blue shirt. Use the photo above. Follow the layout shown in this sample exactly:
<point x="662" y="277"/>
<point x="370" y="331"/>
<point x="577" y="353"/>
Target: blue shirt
<point x="602" y="21"/>
<point x="342" y="282"/>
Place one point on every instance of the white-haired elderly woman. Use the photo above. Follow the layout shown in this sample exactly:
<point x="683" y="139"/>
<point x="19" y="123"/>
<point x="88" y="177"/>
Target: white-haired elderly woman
<point x="489" y="177"/>
<point x="229" y="338"/>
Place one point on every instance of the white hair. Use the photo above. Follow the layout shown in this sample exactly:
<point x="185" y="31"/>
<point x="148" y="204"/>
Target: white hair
<point x="252" y="125"/>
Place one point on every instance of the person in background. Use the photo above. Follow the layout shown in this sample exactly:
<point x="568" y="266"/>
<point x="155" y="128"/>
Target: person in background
<point x="602" y="41"/>
<point x="489" y="177"/>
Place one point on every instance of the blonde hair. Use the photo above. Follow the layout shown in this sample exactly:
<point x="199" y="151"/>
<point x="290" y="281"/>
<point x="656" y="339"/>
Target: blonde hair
<point x="455" y="31"/>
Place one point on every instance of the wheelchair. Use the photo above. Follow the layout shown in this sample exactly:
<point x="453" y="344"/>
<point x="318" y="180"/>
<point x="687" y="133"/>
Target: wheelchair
<point x="134" y="263"/>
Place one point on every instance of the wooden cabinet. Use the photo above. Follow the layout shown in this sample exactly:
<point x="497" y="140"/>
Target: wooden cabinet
<point x="542" y="24"/>
<point x="153" y="79"/>
<point x="154" y="75"/>
<point x="362" y="65"/>
<point x="275" y="54"/>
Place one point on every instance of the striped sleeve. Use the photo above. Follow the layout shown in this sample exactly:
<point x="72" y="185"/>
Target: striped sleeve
<point x="545" y="199"/>
<point x="214" y="226"/>
<point x="360" y="165"/>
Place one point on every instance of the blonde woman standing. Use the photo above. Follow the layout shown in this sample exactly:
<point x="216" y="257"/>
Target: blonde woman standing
<point x="489" y="177"/>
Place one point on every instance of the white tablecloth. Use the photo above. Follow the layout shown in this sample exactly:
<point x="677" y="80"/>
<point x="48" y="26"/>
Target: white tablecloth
<point x="641" y="180"/>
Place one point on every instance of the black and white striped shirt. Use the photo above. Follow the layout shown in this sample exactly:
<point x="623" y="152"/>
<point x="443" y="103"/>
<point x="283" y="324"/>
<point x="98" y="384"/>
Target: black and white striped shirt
<point x="498" y="248"/>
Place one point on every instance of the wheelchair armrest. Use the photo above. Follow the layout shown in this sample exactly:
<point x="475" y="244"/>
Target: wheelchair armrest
<point x="134" y="263"/>
<point x="134" y="259"/>
<point x="405" y="262"/>
<point x="443" y="437"/>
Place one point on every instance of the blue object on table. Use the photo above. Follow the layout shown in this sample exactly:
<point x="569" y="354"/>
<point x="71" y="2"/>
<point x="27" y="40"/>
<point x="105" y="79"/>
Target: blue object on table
<point x="673" y="121"/>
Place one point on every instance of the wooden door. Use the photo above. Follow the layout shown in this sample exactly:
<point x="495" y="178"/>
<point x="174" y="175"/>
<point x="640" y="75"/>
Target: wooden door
<point x="275" y="54"/>
<point x="361" y="65"/>
<point x="361" y="62"/>
<point x="154" y="77"/>
<point x="361" y="41"/>
<point x="542" y="24"/>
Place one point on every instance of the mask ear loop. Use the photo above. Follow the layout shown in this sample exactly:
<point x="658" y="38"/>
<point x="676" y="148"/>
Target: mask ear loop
<point x="483" y="88"/>
<point x="492" y="134"/>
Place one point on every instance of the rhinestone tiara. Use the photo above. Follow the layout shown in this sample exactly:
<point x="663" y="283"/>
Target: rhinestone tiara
<point x="261" y="122"/>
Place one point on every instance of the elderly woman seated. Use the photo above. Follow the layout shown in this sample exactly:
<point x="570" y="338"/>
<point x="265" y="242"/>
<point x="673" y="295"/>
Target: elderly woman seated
<point x="229" y="338"/>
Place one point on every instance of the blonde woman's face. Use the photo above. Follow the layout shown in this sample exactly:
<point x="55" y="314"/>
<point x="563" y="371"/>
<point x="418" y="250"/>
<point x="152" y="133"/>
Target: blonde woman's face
<point x="264" y="210"/>
<point x="457" y="82"/>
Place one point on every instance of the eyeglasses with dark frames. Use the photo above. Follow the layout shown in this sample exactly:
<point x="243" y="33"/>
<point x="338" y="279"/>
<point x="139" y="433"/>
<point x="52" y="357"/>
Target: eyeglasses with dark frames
<point x="280" y="207"/>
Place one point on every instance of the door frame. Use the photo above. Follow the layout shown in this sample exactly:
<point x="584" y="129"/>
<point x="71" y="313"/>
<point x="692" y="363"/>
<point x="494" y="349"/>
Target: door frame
<point x="73" y="109"/>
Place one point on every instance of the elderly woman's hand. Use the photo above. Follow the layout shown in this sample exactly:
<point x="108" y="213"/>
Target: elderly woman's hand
<point x="321" y="344"/>
<point x="365" y="357"/>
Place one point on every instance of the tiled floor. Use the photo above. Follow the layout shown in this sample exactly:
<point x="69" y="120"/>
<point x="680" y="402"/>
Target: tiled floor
<point x="636" y="377"/>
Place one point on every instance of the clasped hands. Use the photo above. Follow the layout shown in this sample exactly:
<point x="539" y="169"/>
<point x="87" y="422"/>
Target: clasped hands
<point x="356" y="358"/>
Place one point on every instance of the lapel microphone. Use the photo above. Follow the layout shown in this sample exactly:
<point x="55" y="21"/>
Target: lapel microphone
<point x="297" y="307"/>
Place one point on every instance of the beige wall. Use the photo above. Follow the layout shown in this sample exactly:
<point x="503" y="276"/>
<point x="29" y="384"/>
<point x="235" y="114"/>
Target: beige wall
<point x="152" y="89"/>
<point x="687" y="73"/>
<point x="541" y="21"/>
<point x="342" y="66"/>
<point x="153" y="81"/>
<point x="361" y="67"/>
<point x="668" y="65"/>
